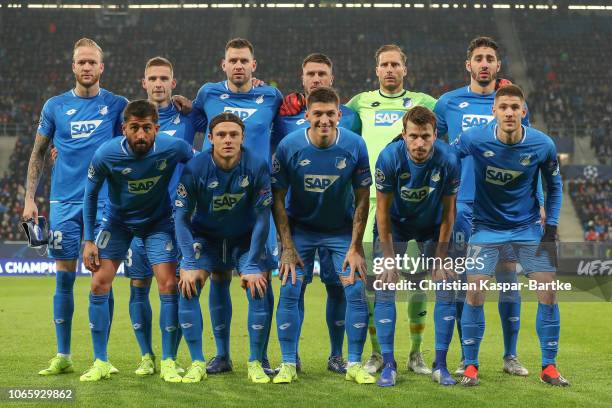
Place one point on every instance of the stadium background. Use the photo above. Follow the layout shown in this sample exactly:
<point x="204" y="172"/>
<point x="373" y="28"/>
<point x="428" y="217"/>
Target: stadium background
<point x="558" y="52"/>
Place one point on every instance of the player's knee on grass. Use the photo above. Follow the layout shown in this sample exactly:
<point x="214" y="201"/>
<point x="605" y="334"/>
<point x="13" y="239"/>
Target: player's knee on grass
<point x="68" y="265"/>
<point x="506" y="273"/>
<point x="548" y="296"/>
<point x="140" y="283"/>
<point x="354" y="292"/>
<point x="165" y="274"/>
<point x="335" y="292"/>
<point x="369" y="283"/>
<point x="445" y="296"/>
<point x="476" y="296"/>
<point x="102" y="280"/>
<point x="290" y="291"/>
<point x="505" y="268"/>
<point x="221" y="276"/>
<point x="384" y="296"/>
<point x="345" y="279"/>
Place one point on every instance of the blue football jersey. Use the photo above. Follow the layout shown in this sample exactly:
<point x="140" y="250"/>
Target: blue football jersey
<point x="77" y="127"/>
<point x="257" y="109"/>
<point x="418" y="188"/>
<point x="137" y="185"/>
<point x="507" y="177"/>
<point x="457" y="111"/>
<point x="283" y="125"/>
<point x="225" y="202"/>
<point x="320" y="182"/>
<point x="174" y="123"/>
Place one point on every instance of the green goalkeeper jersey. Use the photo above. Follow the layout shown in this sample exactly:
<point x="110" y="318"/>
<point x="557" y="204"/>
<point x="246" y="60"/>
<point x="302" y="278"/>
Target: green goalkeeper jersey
<point x="381" y="118"/>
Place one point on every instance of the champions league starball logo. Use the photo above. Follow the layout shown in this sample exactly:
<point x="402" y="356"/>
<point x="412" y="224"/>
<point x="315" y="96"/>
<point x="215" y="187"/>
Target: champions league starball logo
<point x="590" y="172"/>
<point x="181" y="191"/>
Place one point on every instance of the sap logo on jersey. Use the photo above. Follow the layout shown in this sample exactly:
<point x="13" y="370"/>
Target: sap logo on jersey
<point x="226" y="201"/>
<point x="501" y="177"/>
<point x="415" y="195"/>
<point x="142" y="186"/>
<point x="318" y="183"/>
<point x="242" y="113"/>
<point x="83" y="128"/>
<point x="387" y="117"/>
<point x="469" y="121"/>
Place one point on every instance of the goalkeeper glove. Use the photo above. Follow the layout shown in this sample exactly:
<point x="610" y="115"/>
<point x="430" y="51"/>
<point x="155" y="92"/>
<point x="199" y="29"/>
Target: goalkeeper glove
<point x="501" y="82"/>
<point x="292" y="104"/>
<point x="548" y="244"/>
<point x="37" y="233"/>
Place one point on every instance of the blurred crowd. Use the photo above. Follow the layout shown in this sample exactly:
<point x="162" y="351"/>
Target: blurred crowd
<point x="12" y="190"/>
<point x="568" y="62"/>
<point x="572" y="88"/>
<point x="593" y="202"/>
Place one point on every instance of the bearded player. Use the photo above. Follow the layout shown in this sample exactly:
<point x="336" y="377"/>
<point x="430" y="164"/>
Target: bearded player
<point x="256" y="107"/>
<point x="138" y="168"/>
<point x="457" y="111"/>
<point x="77" y="122"/>
<point x="159" y="82"/>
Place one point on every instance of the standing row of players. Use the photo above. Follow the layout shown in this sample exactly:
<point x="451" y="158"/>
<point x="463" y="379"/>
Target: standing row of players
<point x="82" y="119"/>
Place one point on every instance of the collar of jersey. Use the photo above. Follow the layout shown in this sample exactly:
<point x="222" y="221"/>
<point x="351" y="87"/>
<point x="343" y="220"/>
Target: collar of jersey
<point x="85" y="97"/>
<point x="212" y="160"/>
<point x="321" y="148"/>
<point x="237" y="93"/>
<point x="128" y="151"/>
<point x="399" y="95"/>
<point x="510" y="145"/>
<point x="167" y="110"/>
<point x="479" y="94"/>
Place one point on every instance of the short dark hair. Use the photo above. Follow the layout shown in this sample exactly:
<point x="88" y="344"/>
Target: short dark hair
<point x="225" y="117"/>
<point x="482" y="42"/>
<point x="510" y="90"/>
<point x="323" y="94"/>
<point x="159" y="62"/>
<point x="240" y="43"/>
<point x="140" y="108"/>
<point x="420" y="116"/>
<point x="390" y="47"/>
<point x="319" y="59"/>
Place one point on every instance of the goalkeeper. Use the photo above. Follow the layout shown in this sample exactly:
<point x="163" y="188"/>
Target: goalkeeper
<point x="381" y="113"/>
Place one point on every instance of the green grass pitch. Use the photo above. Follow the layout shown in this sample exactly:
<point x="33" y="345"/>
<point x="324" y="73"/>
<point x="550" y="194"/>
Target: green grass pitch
<point x="28" y="342"/>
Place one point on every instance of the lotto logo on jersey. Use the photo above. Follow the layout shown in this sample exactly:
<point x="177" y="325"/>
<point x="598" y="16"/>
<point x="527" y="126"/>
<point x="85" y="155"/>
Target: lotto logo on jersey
<point x="470" y="121"/>
<point x="242" y="113"/>
<point x="501" y="177"/>
<point x="387" y="117"/>
<point x="142" y="186"/>
<point x="317" y="183"/>
<point x="415" y="195"/>
<point x="226" y="201"/>
<point x="84" y="128"/>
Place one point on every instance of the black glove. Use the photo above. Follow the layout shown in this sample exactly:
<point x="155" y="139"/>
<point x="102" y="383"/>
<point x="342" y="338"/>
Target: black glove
<point x="548" y="244"/>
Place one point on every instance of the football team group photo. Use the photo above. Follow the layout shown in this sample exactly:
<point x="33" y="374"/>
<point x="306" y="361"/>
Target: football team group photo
<point x="304" y="239"/>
